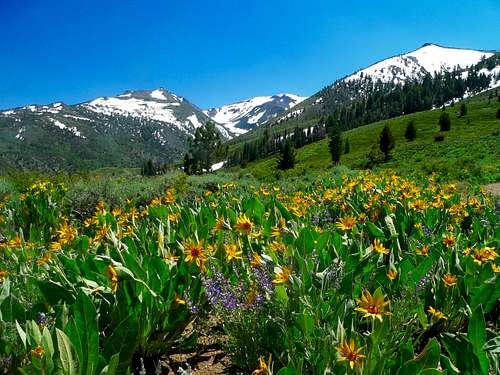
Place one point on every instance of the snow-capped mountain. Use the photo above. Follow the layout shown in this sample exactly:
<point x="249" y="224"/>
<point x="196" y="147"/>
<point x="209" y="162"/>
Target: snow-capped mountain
<point x="383" y="76"/>
<point x="430" y="58"/>
<point x="122" y="130"/>
<point x="238" y="118"/>
<point x="156" y="105"/>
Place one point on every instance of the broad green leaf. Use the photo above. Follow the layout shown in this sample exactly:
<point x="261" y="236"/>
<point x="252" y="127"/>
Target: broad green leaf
<point x="123" y="342"/>
<point x="84" y="335"/>
<point x="427" y="359"/>
<point x="22" y="334"/>
<point x="286" y="371"/>
<point x="65" y="353"/>
<point x="112" y="365"/>
<point x="447" y="365"/>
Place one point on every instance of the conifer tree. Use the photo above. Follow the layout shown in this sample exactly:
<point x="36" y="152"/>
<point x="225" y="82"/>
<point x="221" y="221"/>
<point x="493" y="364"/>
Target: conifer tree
<point x="463" y="110"/>
<point x="203" y="149"/>
<point x="335" y="144"/>
<point x="387" y="142"/>
<point x="286" y="157"/>
<point x="444" y="122"/>
<point x="347" y="147"/>
<point x="411" y="131"/>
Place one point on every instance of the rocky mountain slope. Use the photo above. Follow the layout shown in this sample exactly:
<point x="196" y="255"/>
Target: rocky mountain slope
<point x="241" y="117"/>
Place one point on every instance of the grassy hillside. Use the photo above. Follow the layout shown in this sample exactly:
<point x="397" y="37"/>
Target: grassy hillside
<point x="469" y="152"/>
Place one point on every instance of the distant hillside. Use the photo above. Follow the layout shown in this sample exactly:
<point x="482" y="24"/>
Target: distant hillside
<point x="241" y="117"/>
<point x="359" y="100"/>
<point x="119" y="131"/>
<point x="469" y="152"/>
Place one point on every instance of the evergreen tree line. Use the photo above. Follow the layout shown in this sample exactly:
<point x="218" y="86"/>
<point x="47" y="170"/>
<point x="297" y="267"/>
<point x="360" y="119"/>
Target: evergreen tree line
<point x="270" y="144"/>
<point x="388" y="100"/>
<point x="374" y="101"/>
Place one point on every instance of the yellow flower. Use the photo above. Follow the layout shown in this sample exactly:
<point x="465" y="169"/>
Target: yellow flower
<point x="346" y="223"/>
<point x="484" y="255"/>
<point x="449" y="240"/>
<point x="3" y="275"/>
<point x="178" y="300"/>
<point x="282" y="275"/>
<point x="424" y="251"/>
<point x="379" y="247"/>
<point x="277" y="246"/>
<point x="436" y="313"/>
<point x="256" y="260"/>
<point x="263" y="366"/>
<point x="350" y="353"/>
<point x="392" y="274"/>
<point x="173" y="217"/>
<point x="278" y="230"/>
<point x="38" y="351"/>
<point x="219" y="225"/>
<point x="243" y="225"/>
<point x="194" y="252"/>
<point x="495" y="268"/>
<point x="66" y="233"/>
<point x="449" y="279"/>
<point x="55" y="246"/>
<point x="372" y="306"/>
<point x="169" y="197"/>
<point x="233" y="251"/>
<point x="113" y="275"/>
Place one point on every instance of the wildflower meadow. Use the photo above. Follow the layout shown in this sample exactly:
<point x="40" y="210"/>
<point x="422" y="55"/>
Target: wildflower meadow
<point x="370" y="274"/>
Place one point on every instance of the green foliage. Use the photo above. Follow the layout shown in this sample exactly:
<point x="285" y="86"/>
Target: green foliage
<point x="204" y="149"/>
<point x="148" y="169"/>
<point x="411" y="131"/>
<point x="286" y="158"/>
<point x="335" y="144"/>
<point x="347" y="148"/>
<point x="463" y="110"/>
<point x="444" y="122"/>
<point x="498" y="114"/>
<point x="386" y="142"/>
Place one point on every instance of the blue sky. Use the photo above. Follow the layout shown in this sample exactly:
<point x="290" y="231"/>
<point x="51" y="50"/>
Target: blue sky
<point x="216" y="52"/>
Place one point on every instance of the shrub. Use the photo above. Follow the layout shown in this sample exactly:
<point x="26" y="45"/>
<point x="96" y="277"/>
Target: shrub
<point x="439" y="137"/>
<point x="411" y="131"/>
<point x="444" y="122"/>
<point x="387" y="142"/>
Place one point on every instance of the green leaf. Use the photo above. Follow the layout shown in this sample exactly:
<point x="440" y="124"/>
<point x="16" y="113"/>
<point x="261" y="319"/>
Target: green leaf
<point x="122" y="341"/>
<point x="83" y="332"/>
<point x="485" y="295"/>
<point x="65" y="353"/>
<point x="476" y="333"/>
<point x="427" y="359"/>
<point x="112" y="365"/>
<point x="54" y="293"/>
<point x="21" y="333"/>
<point x="286" y="214"/>
<point x="447" y="365"/>
<point x="286" y="371"/>
<point x="375" y="231"/>
<point x="431" y="371"/>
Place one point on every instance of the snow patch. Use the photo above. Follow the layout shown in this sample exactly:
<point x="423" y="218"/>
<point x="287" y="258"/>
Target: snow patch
<point x="74" y="130"/>
<point x="430" y="58"/>
<point x="158" y="94"/>
<point x="217" y="166"/>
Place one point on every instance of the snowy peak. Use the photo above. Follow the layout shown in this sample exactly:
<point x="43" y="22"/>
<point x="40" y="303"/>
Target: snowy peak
<point x="157" y="105"/>
<point x="430" y="58"/>
<point x="238" y="118"/>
